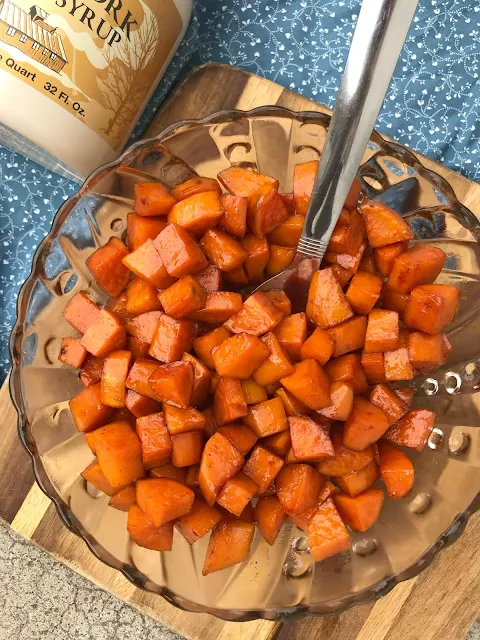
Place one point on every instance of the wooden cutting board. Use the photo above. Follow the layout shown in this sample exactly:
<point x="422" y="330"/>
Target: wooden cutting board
<point x="441" y="603"/>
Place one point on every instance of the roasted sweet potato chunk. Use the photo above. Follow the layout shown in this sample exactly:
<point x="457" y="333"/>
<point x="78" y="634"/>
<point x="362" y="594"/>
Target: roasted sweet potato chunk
<point x="210" y="278"/>
<point x="327" y="535"/>
<point x="87" y="410"/>
<point x="341" y="398"/>
<point x="187" y="448"/>
<point x="320" y="345"/>
<point x="406" y="394"/>
<point x="105" y="334"/>
<point x="183" y="297"/>
<point x="280" y="258"/>
<point x="397" y="365"/>
<point x="364" y="426"/>
<point x="298" y="487"/>
<point x="374" y="366"/>
<point x="163" y="499"/>
<point x="145" y="534"/>
<point x="269" y="516"/>
<point x="193" y="186"/>
<point x="419" y="265"/>
<point x="81" y="312"/>
<point x="364" y="291"/>
<point x="267" y="418"/>
<point x="309" y="384"/>
<point x="138" y="348"/>
<point x="327" y="305"/>
<point x="265" y="211"/>
<point x="198" y="521"/>
<point x="222" y="250"/>
<point x="116" y="366"/>
<point x="258" y="254"/>
<point x="257" y="316"/>
<point x="123" y="499"/>
<point x="303" y="178"/>
<point x="143" y="327"/>
<point x="141" y="297"/>
<point x="253" y="391"/>
<point x="393" y="300"/>
<point x="221" y="460"/>
<point x="345" y="460"/>
<point x="382" y="331"/>
<point x="234" y="218"/>
<point x="276" y="366"/>
<point x="425" y="351"/>
<point x="291" y="333"/>
<point x="431" y="307"/>
<point x="140" y="229"/>
<point x="356" y="482"/>
<point x="262" y="467"/>
<point x="94" y="475"/>
<point x="310" y="442"/>
<point x="413" y="429"/>
<point x="119" y="453"/>
<point x="152" y="199"/>
<point x="245" y="182"/>
<point x="348" y="368"/>
<point x="288" y="233"/>
<point x="182" y="420"/>
<point x="389" y="402"/>
<point x="72" y="352"/>
<point x="202" y="378"/>
<point x="396" y="470"/>
<point x="139" y="375"/>
<point x="237" y="493"/>
<point x="179" y="252"/>
<point x="173" y="383"/>
<point x="172" y="338"/>
<point x="239" y="356"/>
<point x="349" y="336"/>
<point x="239" y="435"/>
<point x="203" y="345"/>
<point x="383" y="225"/>
<point x="290" y="402"/>
<point x="229" y="401"/>
<point x="91" y="372"/>
<point x="219" y="307"/>
<point x="105" y="265"/>
<point x="360" y="512"/>
<point x="197" y="213"/>
<point x="229" y="544"/>
<point x="154" y="440"/>
<point x="145" y="262"/>
<point x="168" y="470"/>
<point x="280" y="443"/>
<point x="385" y="256"/>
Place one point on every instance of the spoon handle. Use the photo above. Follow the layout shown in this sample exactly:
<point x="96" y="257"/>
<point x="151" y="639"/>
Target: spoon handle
<point x="377" y="42"/>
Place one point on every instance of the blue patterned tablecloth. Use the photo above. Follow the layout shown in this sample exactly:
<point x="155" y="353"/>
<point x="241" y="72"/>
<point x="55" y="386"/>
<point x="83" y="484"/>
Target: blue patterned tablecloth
<point x="432" y="104"/>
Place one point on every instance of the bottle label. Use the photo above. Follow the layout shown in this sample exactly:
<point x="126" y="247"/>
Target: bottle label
<point x="97" y="59"/>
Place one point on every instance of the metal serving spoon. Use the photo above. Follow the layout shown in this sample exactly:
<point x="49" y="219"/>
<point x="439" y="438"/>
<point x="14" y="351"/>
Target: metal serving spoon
<point x="378" y="39"/>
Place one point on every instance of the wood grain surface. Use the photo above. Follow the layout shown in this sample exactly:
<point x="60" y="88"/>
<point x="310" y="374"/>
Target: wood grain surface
<point x="441" y="603"/>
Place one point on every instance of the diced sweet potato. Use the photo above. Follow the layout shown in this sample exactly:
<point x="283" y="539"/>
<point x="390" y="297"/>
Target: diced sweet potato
<point x="413" y="429"/>
<point x="237" y="493"/>
<point x="298" y="487"/>
<point x="310" y="442"/>
<point x="152" y="199"/>
<point x="269" y="516"/>
<point x="187" y="448"/>
<point x="288" y="233"/>
<point x="197" y="213"/>
<point x="280" y="300"/>
<point x="210" y="278"/>
<point x="385" y="256"/>
<point x="262" y="467"/>
<point x="303" y="179"/>
<point x="309" y="384"/>
<point x="239" y="435"/>
<point x="105" y="265"/>
<point x="236" y="277"/>
<point x="364" y="291"/>
<point x="279" y="443"/>
<point x="383" y="225"/>
<point x="141" y="297"/>
<point x="393" y="300"/>
<point x="143" y="327"/>
<point x="172" y="338"/>
<point x="288" y="201"/>
<point x="368" y="263"/>
<point x="229" y="544"/>
<point x="265" y="211"/>
<point x="72" y="352"/>
<point x="140" y="229"/>
<point x="356" y="482"/>
<point x="118" y="306"/>
<point x="349" y="335"/>
<point x="192" y="477"/>
<point x="267" y="418"/>
<point x="348" y="234"/>
<point x="173" y="383"/>
<point x="145" y="534"/>
<point x="139" y="375"/>
<point x="234" y="218"/>
<point x="163" y="499"/>
<point x="239" y="356"/>
<point x="431" y="307"/>
<point x="327" y="305"/>
<point x="342" y="275"/>
<point x="119" y="453"/>
<point x="360" y="512"/>
<point x="389" y="402"/>
<point x="145" y="262"/>
<point x="154" y="440"/>
<point x="257" y="316"/>
<point x="253" y="391"/>
<point x="345" y="260"/>
<point x="116" y="366"/>
<point x="193" y="186"/>
<point x="280" y="258"/>
<point x="87" y="410"/>
<point x="365" y="425"/>
<point x="382" y="331"/>
<point x="320" y="345"/>
<point x="374" y="367"/>
<point x="291" y="404"/>
<point x="81" y="312"/>
<point x="229" y="401"/>
<point x="276" y="366"/>
<point x="201" y="380"/>
<point x="168" y="470"/>
<point x="182" y="420"/>
<point x="346" y="460"/>
<point x="138" y="348"/>
<point x="341" y="398"/>
<point x="397" y="363"/>
<point x="245" y="182"/>
<point x="419" y="265"/>
<point x="406" y="394"/>
<point x="258" y="254"/>
<point x="105" y="334"/>
<point x="302" y="520"/>
<point x="327" y="535"/>
<point x="396" y="470"/>
<point x="203" y="345"/>
<point x="222" y="250"/>
<point x="94" y="475"/>
<point x="348" y="368"/>
<point x="88" y="435"/>
<point x="179" y="252"/>
<point x="183" y="297"/>
<point x="221" y="460"/>
<point x="198" y="521"/>
<point x="123" y="499"/>
<point x="291" y="333"/>
<point x="425" y="351"/>
<point x="91" y="372"/>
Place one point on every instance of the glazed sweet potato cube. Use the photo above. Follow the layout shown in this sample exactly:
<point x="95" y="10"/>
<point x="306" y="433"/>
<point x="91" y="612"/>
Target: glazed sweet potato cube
<point x="253" y="391"/>
<point x="173" y="383"/>
<point x="382" y="331"/>
<point x="139" y="376"/>
<point x="119" y="453"/>
<point x="140" y="405"/>
<point x="91" y="372"/>
<point x="179" y="252"/>
<point x="234" y="218"/>
<point x="245" y="182"/>
<point x="258" y="253"/>
<point x="145" y="262"/>
<point x="257" y="316"/>
<point x="192" y="477"/>
<point x="346" y="460"/>
<point x="236" y="277"/>
<point x="280" y="300"/>
<point x="327" y="535"/>
<point x="94" y="475"/>
<point x="198" y="521"/>
<point x="172" y="338"/>
<point x="182" y="420"/>
<point x="385" y="256"/>
<point x="123" y="499"/>
<point x="201" y="380"/>
<point x="269" y="516"/>
<point x="360" y="512"/>
<point x="276" y="366"/>
<point x="292" y="405"/>
<point x="197" y="213"/>
<point x="222" y="250"/>
<point x="368" y="264"/>
<point x="425" y="351"/>
<point x="413" y="429"/>
<point x="310" y="442"/>
<point x="341" y="275"/>
<point x="288" y="233"/>
<point x="72" y="352"/>
<point x="320" y="346"/>
<point x="348" y="234"/>
<point x="183" y="297"/>
<point x="118" y="306"/>
<point x="219" y="307"/>
<point x="303" y="179"/>
<point x="347" y="261"/>
<point x="364" y="291"/>
<point x="143" y="327"/>
<point x="279" y="443"/>
<point x="341" y="397"/>
<point x="389" y="402"/>
<point x="116" y="366"/>
<point x="203" y="345"/>
<point x="374" y="367"/>
<point x="154" y="440"/>
<point x="353" y="195"/>
<point x="163" y="499"/>
<point x="138" y="348"/>
<point x="309" y="384"/>
<point x="187" y="448"/>
<point x="106" y="266"/>
<point x="327" y="305"/>
<point x="167" y="470"/>
<point x="152" y="199"/>
<point x="193" y="186"/>
<point x="356" y="482"/>
<point x="81" y="312"/>
<point x="229" y="544"/>
<point x="383" y="225"/>
<point x="406" y="394"/>
<point x="396" y="470"/>
<point x="397" y="363"/>
<point x="302" y="520"/>
<point x="88" y="435"/>
<point x="419" y="265"/>
<point x="265" y="211"/>
<point x="210" y="278"/>
<point x="365" y="425"/>
<point x="291" y="333"/>
<point x="141" y="228"/>
<point x="142" y="297"/>
<point x="393" y="300"/>
<point x="349" y="336"/>
<point x="87" y="410"/>
<point x="237" y="493"/>
<point x="221" y="460"/>
<point x="431" y="307"/>
<point x="239" y="356"/>
<point x="239" y="435"/>
<point x="298" y="487"/>
<point x="280" y="258"/>
<point x="348" y="368"/>
<point x="266" y="418"/>
<point x="142" y="531"/>
<point x="229" y="401"/>
<point x="105" y="334"/>
<point x="262" y="467"/>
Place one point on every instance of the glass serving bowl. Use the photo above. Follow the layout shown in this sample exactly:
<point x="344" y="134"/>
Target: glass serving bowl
<point x="277" y="582"/>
